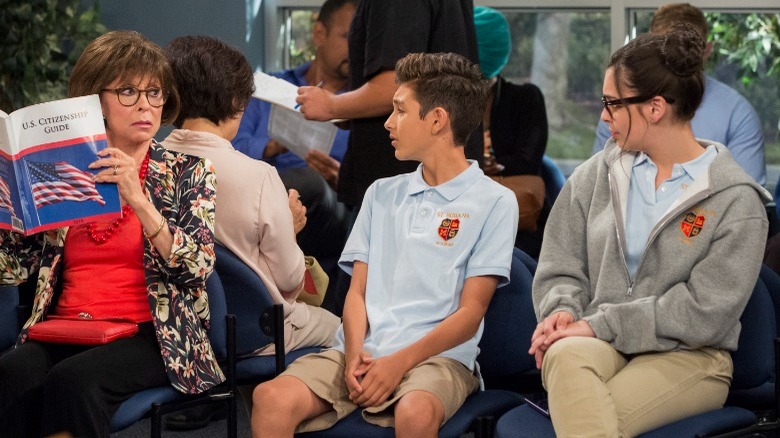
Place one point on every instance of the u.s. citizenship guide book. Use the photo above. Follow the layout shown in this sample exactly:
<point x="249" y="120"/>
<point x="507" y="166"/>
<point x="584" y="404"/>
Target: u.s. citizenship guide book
<point x="44" y="179"/>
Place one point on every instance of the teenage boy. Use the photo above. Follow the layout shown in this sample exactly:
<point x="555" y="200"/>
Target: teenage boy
<point x="426" y="253"/>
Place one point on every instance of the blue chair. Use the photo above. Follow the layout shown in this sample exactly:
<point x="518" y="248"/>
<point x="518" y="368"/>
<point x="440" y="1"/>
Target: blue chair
<point x="248" y="299"/>
<point x="553" y="177"/>
<point x="512" y="339"/>
<point x="499" y="357"/>
<point x="237" y="291"/>
<point x="753" y="382"/>
<point x="156" y="402"/>
<point x="9" y="323"/>
<point x="755" y="372"/>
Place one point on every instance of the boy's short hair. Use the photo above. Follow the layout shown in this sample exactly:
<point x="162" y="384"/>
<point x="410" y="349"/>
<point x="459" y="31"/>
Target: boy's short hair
<point x="449" y="81"/>
<point x="671" y="14"/>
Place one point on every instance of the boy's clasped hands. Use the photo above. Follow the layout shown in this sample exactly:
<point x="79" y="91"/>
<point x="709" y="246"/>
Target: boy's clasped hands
<point x="372" y="381"/>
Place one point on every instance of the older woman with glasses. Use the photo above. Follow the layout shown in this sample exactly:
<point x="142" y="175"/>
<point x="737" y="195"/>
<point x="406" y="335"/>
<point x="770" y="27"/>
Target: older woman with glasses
<point x="649" y="257"/>
<point x="149" y="267"/>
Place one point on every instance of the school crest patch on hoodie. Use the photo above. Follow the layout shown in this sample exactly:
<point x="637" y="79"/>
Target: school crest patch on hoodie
<point x="692" y="225"/>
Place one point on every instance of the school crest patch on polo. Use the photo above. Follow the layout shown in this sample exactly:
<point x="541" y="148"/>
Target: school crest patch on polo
<point x="449" y="228"/>
<point x="692" y="224"/>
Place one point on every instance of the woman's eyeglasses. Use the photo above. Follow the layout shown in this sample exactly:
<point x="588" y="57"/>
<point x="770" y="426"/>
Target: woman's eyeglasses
<point x="627" y="101"/>
<point x="129" y="96"/>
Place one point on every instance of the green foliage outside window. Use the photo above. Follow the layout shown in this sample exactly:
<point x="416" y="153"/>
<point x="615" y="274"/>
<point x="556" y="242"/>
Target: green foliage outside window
<point x="746" y="55"/>
<point x="747" y="51"/>
<point x="301" y="46"/>
<point x="43" y="39"/>
<point x="752" y="42"/>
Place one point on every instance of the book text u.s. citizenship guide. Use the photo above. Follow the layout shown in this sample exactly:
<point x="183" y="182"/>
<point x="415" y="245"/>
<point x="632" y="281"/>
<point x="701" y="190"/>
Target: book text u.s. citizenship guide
<point x="44" y="153"/>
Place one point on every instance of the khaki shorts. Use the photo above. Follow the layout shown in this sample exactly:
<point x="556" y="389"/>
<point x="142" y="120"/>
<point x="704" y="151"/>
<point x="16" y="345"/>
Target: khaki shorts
<point x="318" y="331"/>
<point x="449" y="380"/>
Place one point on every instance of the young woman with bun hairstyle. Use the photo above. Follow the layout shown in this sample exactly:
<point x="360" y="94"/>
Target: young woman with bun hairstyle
<point x="649" y="256"/>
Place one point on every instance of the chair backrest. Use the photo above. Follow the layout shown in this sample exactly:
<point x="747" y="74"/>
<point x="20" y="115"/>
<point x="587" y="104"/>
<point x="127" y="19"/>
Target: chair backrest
<point x="218" y="312"/>
<point x="509" y="322"/>
<point x="246" y="296"/>
<point x="9" y="311"/>
<point x="754" y="360"/>
<point x="553" y="177"/>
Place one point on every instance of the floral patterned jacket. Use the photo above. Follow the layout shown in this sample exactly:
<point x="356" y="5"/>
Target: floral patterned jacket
<point x="183" y="189"/>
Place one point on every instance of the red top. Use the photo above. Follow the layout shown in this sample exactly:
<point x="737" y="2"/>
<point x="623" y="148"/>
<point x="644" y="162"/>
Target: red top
<point x="105" y="280"/>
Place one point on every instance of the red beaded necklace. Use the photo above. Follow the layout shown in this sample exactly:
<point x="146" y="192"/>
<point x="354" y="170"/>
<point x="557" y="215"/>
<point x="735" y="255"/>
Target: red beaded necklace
<point x="103" y="236"/>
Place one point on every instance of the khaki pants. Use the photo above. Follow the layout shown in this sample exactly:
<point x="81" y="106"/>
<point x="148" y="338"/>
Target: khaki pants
<point x="595" y="391"/>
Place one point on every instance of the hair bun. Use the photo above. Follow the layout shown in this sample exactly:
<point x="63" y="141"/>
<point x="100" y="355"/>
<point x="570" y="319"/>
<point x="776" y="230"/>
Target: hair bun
<point x="683" y="50"/>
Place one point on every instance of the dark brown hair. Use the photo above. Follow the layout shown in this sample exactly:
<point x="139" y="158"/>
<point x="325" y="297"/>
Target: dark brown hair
<point x="670" y="14"/>
<point x="214" y="79"/>
<point x="449" y="81"/>
<point x="125" y="55"/>
<point x="330" y="7"/>
<point x="669" y="65"/>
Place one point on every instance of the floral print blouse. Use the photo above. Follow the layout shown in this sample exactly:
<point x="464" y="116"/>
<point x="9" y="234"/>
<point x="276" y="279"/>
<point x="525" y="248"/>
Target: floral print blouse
<point x="183" y="189"/>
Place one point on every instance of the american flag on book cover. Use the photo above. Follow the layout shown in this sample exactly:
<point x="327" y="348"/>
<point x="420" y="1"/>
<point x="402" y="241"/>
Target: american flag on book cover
<point x="57" y="182"/>
<point x="5" y="197"/>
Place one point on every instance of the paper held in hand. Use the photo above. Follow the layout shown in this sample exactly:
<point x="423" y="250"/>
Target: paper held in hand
<point x="275" y="90"/>
<point x="299" y="135"/>
<point x="286" y="124"/>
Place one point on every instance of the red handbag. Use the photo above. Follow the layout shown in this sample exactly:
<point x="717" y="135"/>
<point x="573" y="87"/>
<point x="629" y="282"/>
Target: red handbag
<point x="81" y="331"/>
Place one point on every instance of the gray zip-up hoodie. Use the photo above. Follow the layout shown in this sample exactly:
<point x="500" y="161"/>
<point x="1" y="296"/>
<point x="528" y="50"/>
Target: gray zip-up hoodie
<point x="697" y="272"/>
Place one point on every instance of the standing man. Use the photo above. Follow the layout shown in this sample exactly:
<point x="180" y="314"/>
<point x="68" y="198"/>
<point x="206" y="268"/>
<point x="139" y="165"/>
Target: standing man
<point x="383" y="32"/>
<point x="724" y="115"/>
<point x="316" y="177"/>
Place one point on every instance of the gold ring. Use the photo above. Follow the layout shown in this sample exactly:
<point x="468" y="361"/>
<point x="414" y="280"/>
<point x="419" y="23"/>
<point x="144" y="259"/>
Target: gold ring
<point x="116" y="167"/>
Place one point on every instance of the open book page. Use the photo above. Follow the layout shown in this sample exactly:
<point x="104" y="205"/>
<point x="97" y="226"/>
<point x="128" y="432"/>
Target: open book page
<point x="52" y="144"/>
<point x="299" y="135"/>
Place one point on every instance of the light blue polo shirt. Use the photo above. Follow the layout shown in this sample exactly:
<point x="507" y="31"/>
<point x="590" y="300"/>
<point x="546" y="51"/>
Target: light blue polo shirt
<point x="420" y="244"/>
<point x="646" y="205"/>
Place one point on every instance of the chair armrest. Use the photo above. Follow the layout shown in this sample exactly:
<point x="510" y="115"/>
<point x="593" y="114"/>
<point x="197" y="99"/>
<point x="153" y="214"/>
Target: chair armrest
<point x="272" y="324"/>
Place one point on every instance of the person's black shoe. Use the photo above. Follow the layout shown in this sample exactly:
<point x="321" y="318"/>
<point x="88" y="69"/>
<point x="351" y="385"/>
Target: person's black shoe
<point x="197" y="417"/>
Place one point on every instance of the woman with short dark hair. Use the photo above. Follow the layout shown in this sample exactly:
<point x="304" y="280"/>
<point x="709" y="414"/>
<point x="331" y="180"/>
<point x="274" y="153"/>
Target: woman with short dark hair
<point x="254" y="217"/>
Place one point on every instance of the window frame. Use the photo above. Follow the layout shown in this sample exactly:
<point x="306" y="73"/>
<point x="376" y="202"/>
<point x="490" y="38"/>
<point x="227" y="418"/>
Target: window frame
<point x="622" y="26"/>
<point x="274" y="12"/>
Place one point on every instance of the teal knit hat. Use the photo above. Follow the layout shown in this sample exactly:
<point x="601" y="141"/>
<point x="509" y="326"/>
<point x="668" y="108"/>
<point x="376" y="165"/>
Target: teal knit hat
<point x="493" y="40"/>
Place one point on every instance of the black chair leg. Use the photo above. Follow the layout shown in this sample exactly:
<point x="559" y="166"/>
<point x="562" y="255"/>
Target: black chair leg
<point x="272" y="324"/>
<point x="232" y="418"/>
<point x="156" y="420"/>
